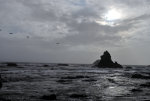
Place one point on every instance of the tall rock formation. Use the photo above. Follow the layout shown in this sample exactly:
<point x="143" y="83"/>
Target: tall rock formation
<point x="107" y="62"/>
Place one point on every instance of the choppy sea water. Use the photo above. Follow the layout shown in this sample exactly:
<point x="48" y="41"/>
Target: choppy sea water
<point x="76" y="82"/>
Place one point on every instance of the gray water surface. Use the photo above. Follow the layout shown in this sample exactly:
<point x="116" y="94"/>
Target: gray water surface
<point x="76" y="82"/>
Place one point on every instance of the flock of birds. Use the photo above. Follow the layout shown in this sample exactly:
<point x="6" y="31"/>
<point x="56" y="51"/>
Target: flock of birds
<point x="29" y="37"/>
<point x="13" y="33"/>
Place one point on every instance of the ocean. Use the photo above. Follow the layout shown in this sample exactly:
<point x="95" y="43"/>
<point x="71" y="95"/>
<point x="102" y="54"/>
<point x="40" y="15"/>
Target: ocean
<point x="74" y="82"/>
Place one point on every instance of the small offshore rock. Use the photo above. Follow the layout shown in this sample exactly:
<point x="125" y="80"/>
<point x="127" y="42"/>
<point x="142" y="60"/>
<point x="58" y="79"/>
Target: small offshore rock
<point x="106" y="61"/>
<point x="63" y="64"/>
<point x="45" y="65"/>
<point x="12" y="64"/>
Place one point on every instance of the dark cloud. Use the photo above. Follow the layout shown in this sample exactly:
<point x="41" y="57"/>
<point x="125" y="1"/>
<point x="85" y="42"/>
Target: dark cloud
<point x="78" y="25"/>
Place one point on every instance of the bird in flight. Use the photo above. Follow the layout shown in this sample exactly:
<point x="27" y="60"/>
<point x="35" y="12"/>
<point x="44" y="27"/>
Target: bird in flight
<point x="10" y="33"/>
<point x="27" y="37"/>
<point x="57" y="43"/>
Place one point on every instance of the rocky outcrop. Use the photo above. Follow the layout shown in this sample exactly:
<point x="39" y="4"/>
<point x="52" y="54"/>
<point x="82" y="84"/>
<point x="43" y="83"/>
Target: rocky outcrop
<point x="95" y="63"/>
<point x="45" y="65"/>
<point x="62" y="64"/>
<point x="106" y="61"/>
<point x="12" y="64"/>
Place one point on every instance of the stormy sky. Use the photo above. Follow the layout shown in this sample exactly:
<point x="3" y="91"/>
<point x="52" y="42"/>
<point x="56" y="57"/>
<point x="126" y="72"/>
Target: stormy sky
<point x="75" y="31"/>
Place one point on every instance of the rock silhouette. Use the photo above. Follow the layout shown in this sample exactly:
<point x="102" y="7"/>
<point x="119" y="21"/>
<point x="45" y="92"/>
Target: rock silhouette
<point x="62" y="64"/>
<point x="45" y="65"/>
<point x="12" y="64"/>
<point x="95" y="63"/>
<point x="106" y="61"/>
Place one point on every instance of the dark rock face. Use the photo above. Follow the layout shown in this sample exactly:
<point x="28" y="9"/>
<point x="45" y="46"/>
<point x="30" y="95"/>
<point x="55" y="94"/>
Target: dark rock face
<point x="106" y="61"/>
<point x="12" y="64"/>
<point x="63" y="64"/>
<point x="45" y="65"/>
<point x="95" y="63"/>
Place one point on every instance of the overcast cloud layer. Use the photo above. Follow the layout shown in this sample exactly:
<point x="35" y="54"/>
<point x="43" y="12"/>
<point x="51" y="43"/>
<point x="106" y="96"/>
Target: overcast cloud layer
<point x="74" y="31"/>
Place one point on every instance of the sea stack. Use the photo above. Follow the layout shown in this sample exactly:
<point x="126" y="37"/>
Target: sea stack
<point x="106" y="61"/>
